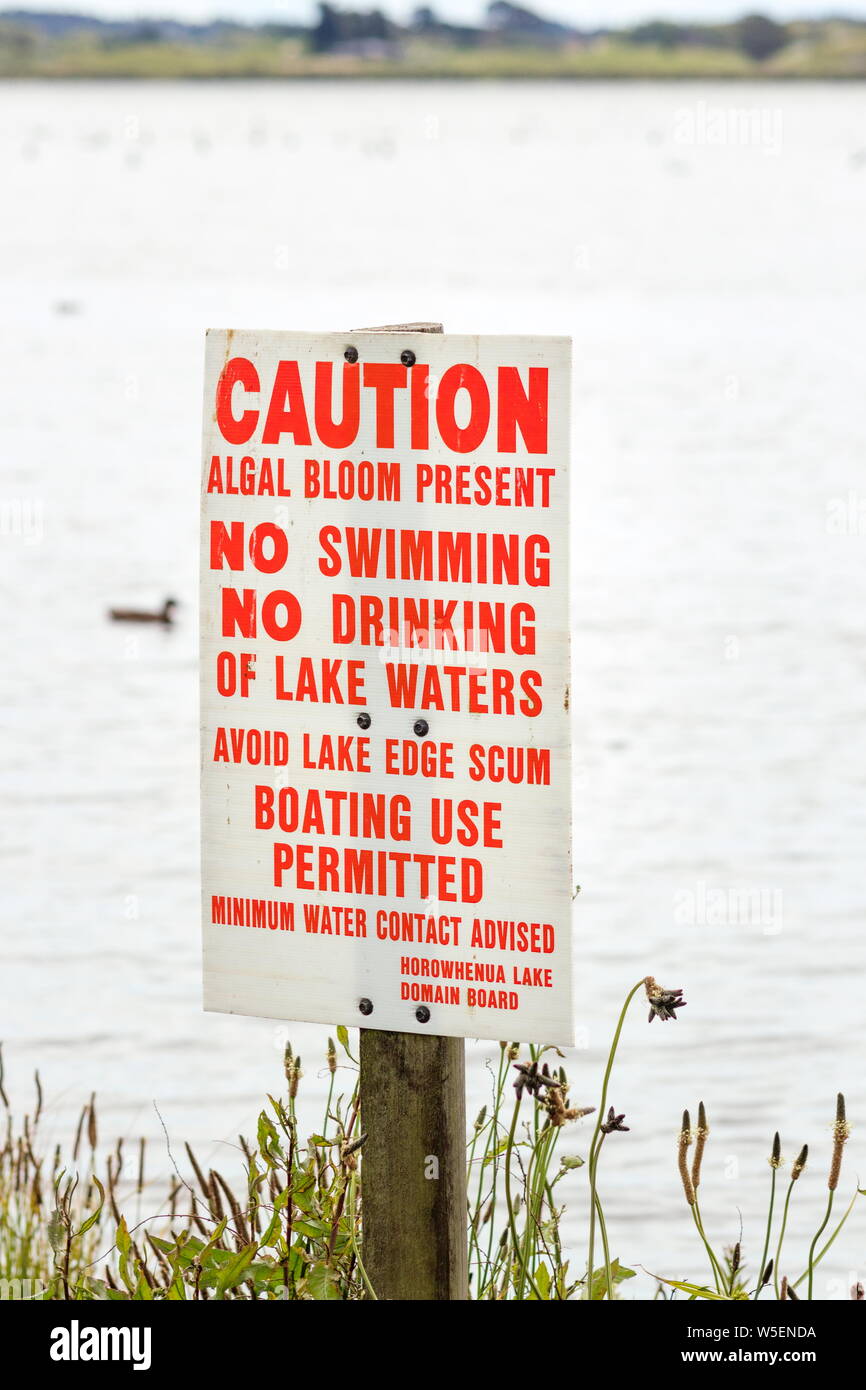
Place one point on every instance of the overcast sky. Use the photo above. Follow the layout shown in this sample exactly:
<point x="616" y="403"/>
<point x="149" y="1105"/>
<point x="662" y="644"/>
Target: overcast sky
<point x="581" y="12"/>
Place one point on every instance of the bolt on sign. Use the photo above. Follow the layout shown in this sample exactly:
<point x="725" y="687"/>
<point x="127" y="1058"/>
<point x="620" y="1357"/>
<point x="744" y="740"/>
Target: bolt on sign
<point x="386" y="810"/>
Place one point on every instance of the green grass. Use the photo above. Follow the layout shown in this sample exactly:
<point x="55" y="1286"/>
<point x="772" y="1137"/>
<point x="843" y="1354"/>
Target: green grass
<point x="839" y="55"/>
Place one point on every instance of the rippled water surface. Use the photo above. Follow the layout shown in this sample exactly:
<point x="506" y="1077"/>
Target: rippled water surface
<point x="709" y="266"/>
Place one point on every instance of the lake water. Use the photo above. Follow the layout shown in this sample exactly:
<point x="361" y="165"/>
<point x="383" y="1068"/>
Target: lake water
<point x="703" y="245"/>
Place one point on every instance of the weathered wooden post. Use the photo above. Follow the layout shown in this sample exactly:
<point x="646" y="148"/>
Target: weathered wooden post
<point x="413" y="1168"/>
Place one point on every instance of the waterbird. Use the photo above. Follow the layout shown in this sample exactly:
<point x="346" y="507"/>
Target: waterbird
<point x="143" y="615"/>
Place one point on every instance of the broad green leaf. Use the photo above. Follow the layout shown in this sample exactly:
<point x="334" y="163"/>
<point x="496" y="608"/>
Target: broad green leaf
<point x="322" y="1283"/>
<point x="98" y="1289"/>
<point x="279" y="1109"/>
<point x="303" y="1192"/>
<point x="187" y="1252"/>
<point x="123" y="1241"/>
<point x="124" y="1246"/>
<point x="165" y="1247"/>
<point x="273" y="1229"/>
<point x="268" y="1140"/>
<point x="542" y="1280"/>
<point x="312" y="1228"/>
<point x="235" y="1271"/>
<point x="618" y="1273"/>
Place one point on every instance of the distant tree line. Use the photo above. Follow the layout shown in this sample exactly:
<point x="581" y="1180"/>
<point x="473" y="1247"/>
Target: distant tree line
<point x="338" y="29"/>
<point x="755" y="35"/>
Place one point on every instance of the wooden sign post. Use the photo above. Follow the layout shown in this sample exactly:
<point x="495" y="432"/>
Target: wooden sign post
<point x="385" y="733"/>
<point x="413" y="1167"/>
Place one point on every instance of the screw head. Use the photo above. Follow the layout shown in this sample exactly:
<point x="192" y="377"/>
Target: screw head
<point x="364" y="721"/>
<point x="423" y="1014"/>
<point x="351" y="354"/>
<point x="366" y="1007"/>
<point x="421" y="728"/>
<point x="407" y="357"/>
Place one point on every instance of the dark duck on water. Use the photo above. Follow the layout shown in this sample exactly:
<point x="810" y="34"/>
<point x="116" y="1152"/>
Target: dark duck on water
<point x="145" y="615"/>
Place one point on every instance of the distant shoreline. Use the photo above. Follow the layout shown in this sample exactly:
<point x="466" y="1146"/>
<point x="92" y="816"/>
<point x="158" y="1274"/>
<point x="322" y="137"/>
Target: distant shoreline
<point x="462" y="79"/>
<point x="512" y="42"/>
<point x="274" y="63"/>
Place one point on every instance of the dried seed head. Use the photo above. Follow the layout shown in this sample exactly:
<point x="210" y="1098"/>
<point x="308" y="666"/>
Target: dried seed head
<point x="294" y="1078"/>
<point x="841" y="1130"/>
<point x="799" y="1163"/>
<point x="332" y="1056"/>
<point x="775" y="1160"/>
<point x="349" y="1152"/>
<point x="701" y="1135"/>
<point x="81" y="1121"/>
<point x="683" y="1142"/>
<point x="554" y="1102"/>
<point x="663" y="1002"/>
<point x="532" y="1078"/>
<point x="91" y="1122"/>
<point x="613" y="1122"/>
<point x="735" y="1259"/>
<point x="767" y="1274"/>
<point x="216" y="1201"/>
<point x="783" y="1292"/>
